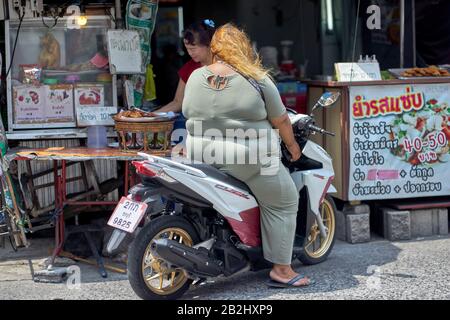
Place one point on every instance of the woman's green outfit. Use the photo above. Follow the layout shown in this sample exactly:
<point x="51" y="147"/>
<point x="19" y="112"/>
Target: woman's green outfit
<point x="235" y="104"/>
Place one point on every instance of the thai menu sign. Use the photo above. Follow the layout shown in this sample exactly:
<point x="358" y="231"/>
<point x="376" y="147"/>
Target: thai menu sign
<point x="355" y="72"/>
<point x="124" y="49"/>
<point x="90" y="106"/>
<point x="43" y="104"/>
<point x="399" y="141"/>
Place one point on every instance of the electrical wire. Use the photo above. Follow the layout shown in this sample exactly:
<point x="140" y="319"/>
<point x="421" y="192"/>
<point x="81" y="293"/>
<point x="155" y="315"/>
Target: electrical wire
<point x="302" y="32"/>
<point x="15" y="44"/>
<point x="59" y="13"/>
<point x="356" y="39"/>
<point x="55" y="21"/>
<point x="108" y="11"/>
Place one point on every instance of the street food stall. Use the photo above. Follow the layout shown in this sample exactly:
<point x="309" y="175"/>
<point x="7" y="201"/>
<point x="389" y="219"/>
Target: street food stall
<point x="73" y="137"/>
<point x="392" y="136"/>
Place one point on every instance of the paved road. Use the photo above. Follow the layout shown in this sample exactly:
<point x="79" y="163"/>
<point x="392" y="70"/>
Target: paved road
<point x="418" y="269"/>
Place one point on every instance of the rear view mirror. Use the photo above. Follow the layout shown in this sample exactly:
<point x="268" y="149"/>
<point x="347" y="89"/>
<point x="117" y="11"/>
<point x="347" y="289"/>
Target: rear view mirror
<point x="327" y="100"/>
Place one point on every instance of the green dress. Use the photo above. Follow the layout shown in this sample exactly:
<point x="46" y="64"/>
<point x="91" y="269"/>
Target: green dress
<point x="228" y="127"/>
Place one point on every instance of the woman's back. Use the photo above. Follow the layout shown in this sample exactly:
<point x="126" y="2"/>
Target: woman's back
<point x="233" y="104"/>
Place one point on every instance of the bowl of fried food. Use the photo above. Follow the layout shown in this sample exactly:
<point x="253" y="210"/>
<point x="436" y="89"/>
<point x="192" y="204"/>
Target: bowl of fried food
<point x="140" y="130"/>
<point x="429" y="72"/>
<point x="141" y="116"/>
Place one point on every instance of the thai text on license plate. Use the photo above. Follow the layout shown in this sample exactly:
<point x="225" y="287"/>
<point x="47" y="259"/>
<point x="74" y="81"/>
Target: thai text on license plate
<point x="127" y="215"/>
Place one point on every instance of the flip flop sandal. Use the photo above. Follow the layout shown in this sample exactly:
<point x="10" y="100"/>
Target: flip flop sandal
<point x="275" y="284"/>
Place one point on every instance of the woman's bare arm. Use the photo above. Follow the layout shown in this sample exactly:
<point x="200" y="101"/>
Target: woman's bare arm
<point x="176" y="104"/>
<point x="284" y="126"/>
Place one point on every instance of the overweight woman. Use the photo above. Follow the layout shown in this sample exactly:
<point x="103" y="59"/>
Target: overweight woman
<point x="235" y="92"/>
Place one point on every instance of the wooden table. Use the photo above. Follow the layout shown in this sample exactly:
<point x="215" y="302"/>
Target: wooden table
<point x="60" y="157"/>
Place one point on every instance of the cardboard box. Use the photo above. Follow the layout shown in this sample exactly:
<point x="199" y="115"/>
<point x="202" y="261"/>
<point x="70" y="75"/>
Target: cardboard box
<point x="43" y="104"/>
<point x="90" y="106"/>
<point x="29" y="104"/>
<point x="59" y="106"/>
<point x="89" y="95"/>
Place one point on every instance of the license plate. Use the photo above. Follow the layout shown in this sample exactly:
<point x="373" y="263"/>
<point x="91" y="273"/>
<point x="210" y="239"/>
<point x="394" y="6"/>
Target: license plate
<point x="127" y="215"/>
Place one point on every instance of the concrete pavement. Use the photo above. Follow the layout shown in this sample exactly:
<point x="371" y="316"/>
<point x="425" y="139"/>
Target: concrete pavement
<point x="417" y="269"/>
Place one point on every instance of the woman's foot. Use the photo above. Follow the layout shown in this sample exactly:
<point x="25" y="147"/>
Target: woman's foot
<point x="285" y="274"/>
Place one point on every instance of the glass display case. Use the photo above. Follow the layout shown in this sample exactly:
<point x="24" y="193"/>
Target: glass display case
<point x="60" y="74"/>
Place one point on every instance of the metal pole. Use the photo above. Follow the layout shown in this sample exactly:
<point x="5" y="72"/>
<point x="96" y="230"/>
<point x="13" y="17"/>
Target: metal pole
<point x="413" y="9"/>
<point x="402" y="33"/>
<point x="119" y="19"/>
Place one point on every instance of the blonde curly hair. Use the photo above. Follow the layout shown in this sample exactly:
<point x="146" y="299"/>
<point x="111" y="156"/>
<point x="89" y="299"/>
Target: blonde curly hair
<point x="232" y="46"/>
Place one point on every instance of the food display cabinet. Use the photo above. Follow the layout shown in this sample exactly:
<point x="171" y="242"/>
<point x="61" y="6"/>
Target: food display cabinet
<point x="59" y="77"/>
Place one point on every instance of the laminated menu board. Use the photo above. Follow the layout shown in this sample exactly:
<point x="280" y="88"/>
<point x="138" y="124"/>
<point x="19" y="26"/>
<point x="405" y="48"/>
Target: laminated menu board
<point x="43" y="104"/>
<point x="29" y="104"/>
<point x="90" y="106"/>
<point x="400" y="141"/>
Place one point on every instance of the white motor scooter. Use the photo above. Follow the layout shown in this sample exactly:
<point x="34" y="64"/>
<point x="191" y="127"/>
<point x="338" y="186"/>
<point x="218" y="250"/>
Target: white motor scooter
<point x="217" y="231"/>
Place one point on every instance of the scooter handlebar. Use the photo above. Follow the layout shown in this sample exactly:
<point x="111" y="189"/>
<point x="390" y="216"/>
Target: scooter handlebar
<point x="320" y="130"/>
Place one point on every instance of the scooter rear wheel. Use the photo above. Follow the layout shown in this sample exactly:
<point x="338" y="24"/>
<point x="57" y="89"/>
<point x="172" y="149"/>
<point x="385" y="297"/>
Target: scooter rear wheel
<point x="317" y="249"/>
<point x="150" y="277"/>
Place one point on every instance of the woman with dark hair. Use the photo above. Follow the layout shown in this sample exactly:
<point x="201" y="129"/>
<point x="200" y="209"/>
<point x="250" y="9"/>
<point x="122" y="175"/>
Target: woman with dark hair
<point x="197" y="39"/>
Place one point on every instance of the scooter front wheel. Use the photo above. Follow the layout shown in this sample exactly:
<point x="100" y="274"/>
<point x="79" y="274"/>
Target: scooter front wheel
<point x="150" y="277"/>
<point x="316" y="249"/>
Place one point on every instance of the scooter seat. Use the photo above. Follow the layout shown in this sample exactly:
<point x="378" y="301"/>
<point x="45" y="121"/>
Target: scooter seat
<point x="221" y="176"/>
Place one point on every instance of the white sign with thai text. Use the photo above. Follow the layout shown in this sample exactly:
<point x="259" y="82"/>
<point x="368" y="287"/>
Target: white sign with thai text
<point x="124" y="51"/>
<point x="355" y="72"/>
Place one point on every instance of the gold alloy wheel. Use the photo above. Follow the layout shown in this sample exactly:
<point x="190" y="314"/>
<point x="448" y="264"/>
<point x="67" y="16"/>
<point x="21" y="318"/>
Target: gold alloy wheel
<point x="157" y="276"/>
<point x="317" y="246"/>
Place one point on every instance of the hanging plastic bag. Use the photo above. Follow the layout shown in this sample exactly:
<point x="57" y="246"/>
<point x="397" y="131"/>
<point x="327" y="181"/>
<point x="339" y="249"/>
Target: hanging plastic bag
<point x="150" y="87"/>
<point x="141" y="16"/>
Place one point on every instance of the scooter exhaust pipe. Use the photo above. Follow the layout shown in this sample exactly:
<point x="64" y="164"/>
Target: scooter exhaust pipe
<point x="193" y="261"/>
